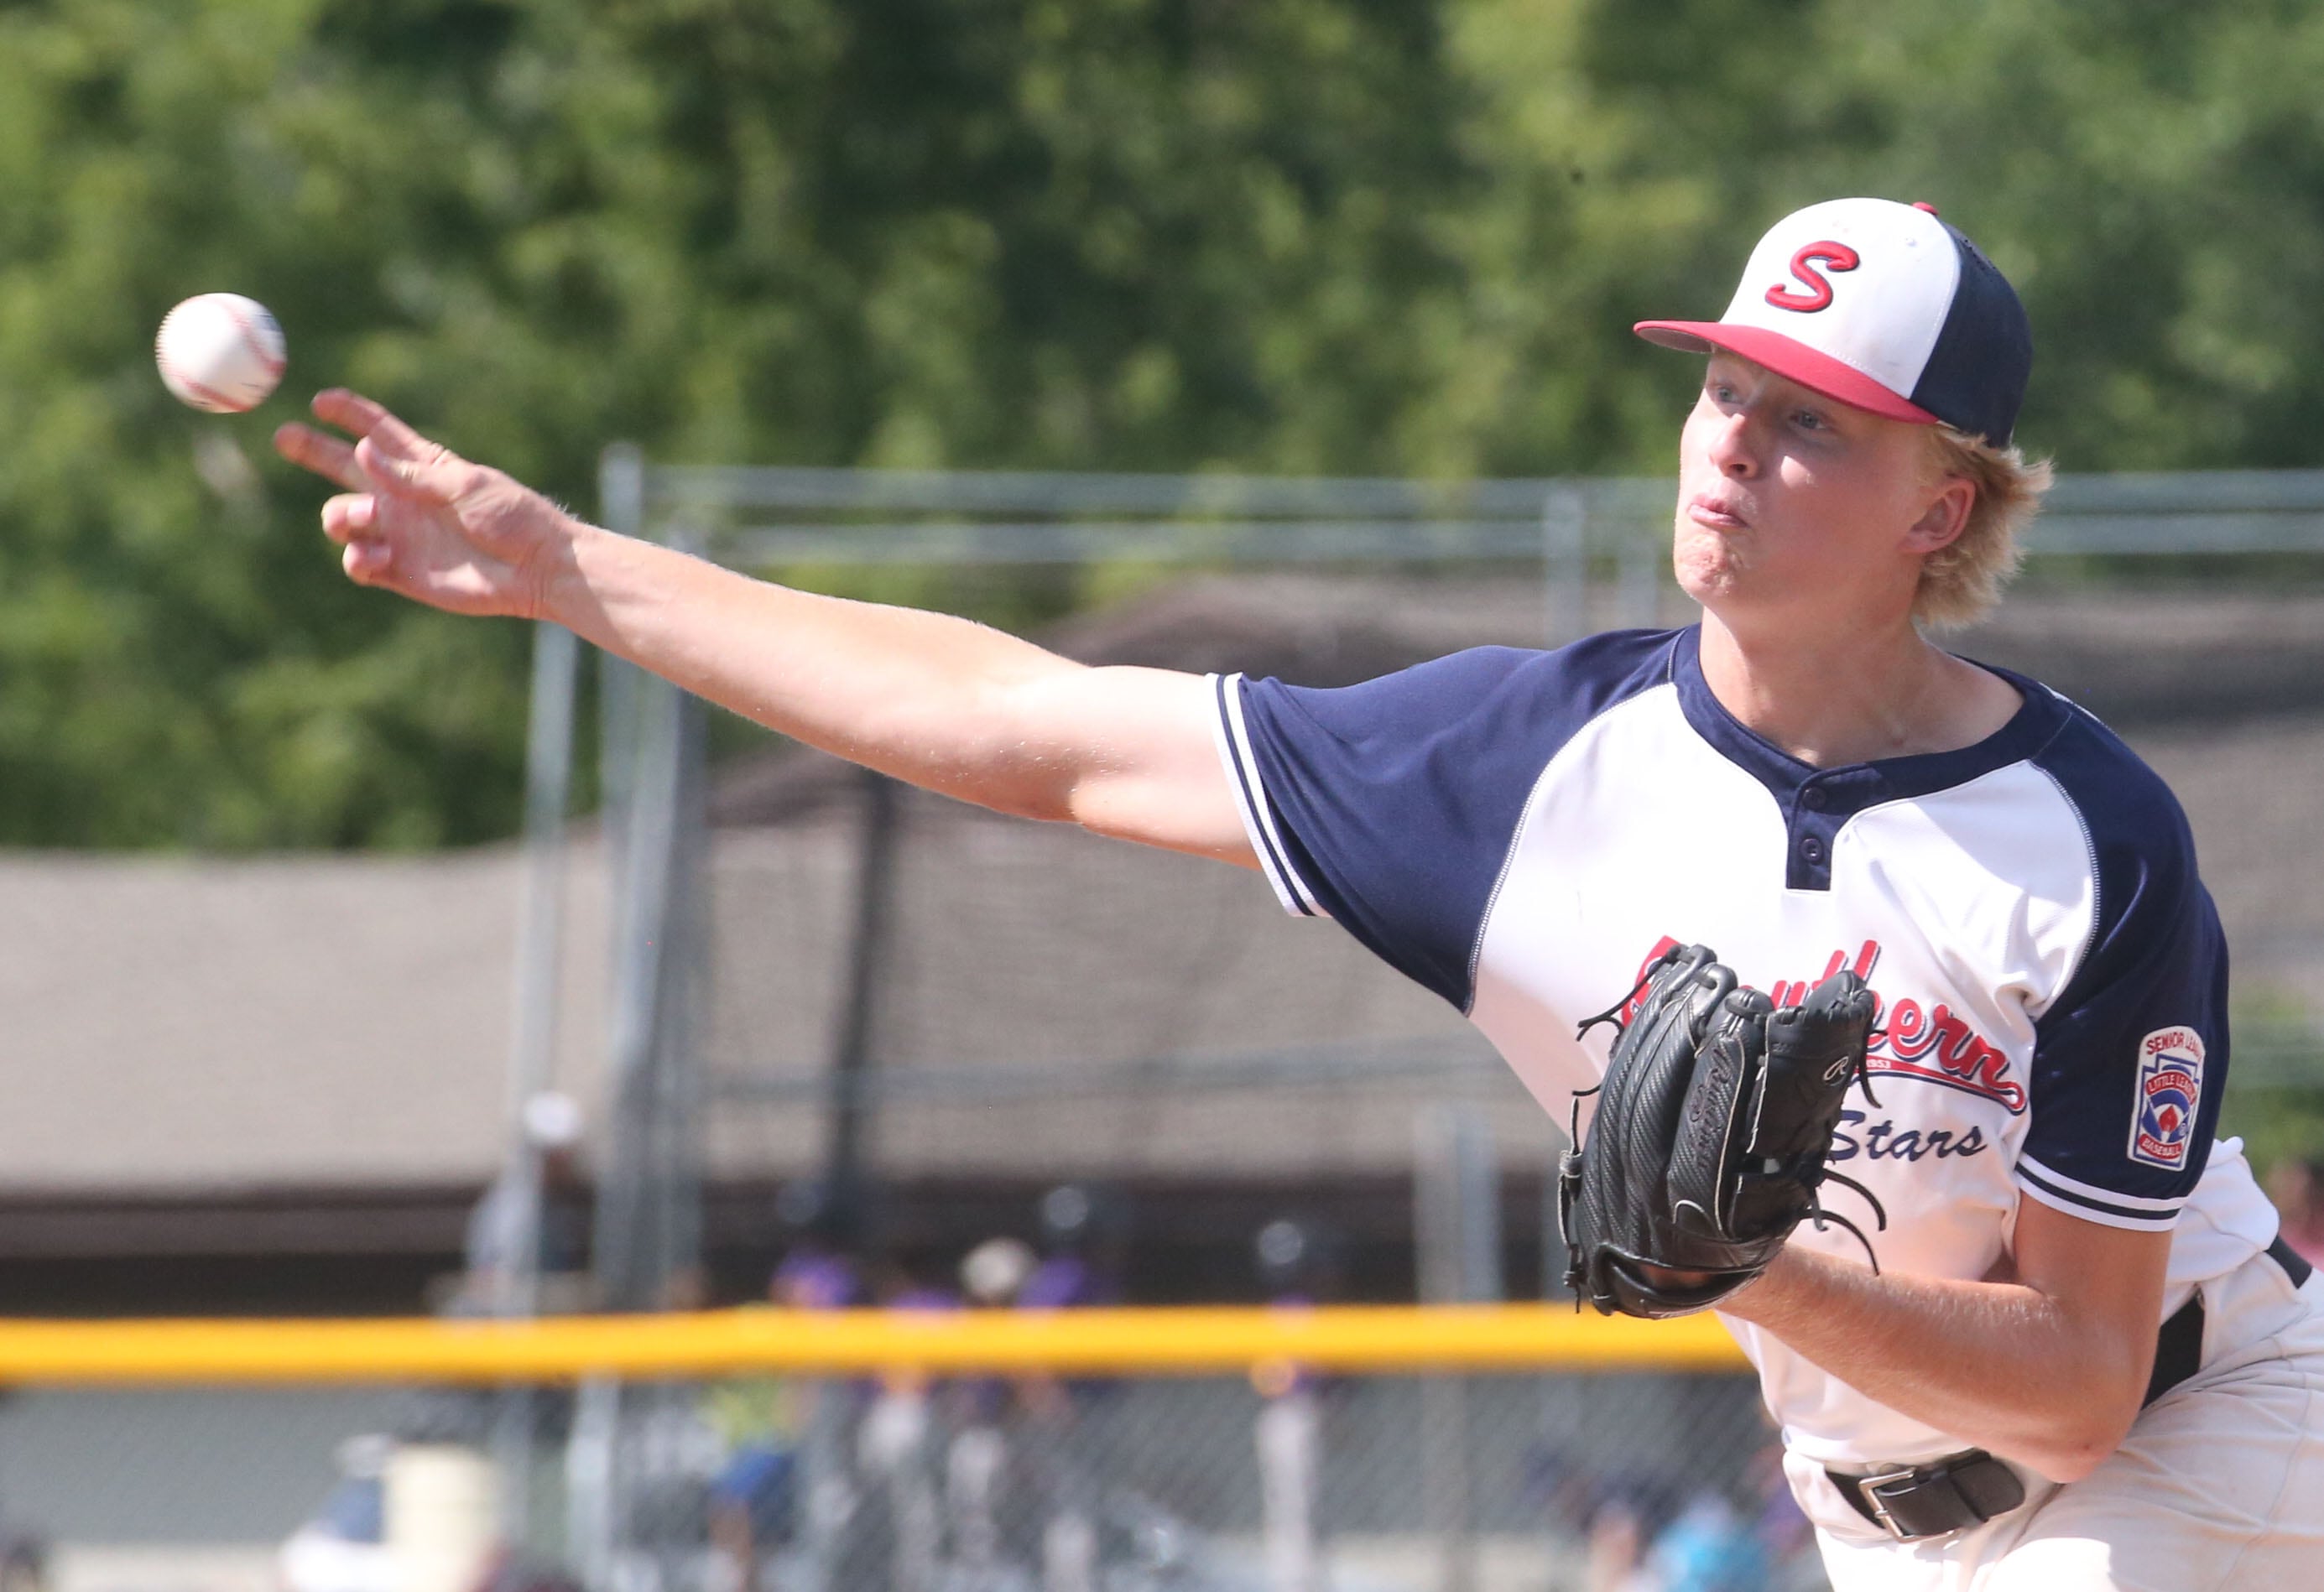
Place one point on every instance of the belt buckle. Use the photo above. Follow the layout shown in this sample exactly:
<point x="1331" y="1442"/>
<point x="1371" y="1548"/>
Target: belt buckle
<point x="1865" y="1489"/>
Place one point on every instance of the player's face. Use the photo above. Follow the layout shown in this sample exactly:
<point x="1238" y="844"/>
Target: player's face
<point x="1791" y="502"/>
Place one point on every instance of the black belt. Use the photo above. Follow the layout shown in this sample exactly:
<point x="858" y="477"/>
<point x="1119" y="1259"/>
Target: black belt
<point x="1969" y="1489"/>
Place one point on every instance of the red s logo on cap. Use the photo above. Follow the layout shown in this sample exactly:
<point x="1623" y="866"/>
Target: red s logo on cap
<point x="1838" y="256"/>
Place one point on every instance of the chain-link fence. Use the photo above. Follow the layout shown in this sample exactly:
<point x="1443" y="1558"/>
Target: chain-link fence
<point x="1276" y="1482"/>
<point x="1280" y="1483"/>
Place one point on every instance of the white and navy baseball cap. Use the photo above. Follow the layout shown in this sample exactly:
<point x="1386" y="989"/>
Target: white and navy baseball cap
<point x="1882" y="306"/>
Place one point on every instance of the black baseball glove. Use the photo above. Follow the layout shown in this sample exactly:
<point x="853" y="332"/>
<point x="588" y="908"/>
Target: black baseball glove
<point x="1708" y="1147"/>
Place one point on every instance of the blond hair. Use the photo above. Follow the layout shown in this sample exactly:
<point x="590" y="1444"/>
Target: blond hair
<point x="1961" y="582"/>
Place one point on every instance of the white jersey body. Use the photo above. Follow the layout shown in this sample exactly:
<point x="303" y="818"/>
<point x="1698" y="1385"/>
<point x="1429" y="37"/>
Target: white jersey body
<point x="1523" y="832"/>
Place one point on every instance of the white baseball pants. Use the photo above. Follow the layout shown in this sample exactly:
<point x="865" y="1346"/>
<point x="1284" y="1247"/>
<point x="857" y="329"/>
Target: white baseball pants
<point x="2218" y="1486"/>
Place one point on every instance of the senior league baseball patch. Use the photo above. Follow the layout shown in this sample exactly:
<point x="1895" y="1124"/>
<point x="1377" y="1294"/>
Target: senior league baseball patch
<point x="2170" y="1088"/>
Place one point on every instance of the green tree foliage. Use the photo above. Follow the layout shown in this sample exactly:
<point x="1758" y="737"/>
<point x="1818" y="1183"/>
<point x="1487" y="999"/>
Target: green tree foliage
<point x="1303" y="235"/>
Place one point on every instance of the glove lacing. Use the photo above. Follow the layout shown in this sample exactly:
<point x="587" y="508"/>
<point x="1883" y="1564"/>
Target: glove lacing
<point x="1814" y="1181"/>
<point x="1816" y="1211"/>
<point x="1820" y="1217"/>
<point x="1612" y="1014"/>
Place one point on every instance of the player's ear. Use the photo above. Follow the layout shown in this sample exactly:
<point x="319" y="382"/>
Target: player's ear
<point x="1941" y="524"/>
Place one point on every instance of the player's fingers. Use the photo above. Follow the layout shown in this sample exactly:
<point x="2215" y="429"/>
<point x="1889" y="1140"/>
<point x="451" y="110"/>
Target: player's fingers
<point x="327" y="456"/>
<point x="388" y="435"/>
<point x="351" y="517"/>
<point x="438" y="479"/>
<point x="366" y="563"/>
<point x="348" y="410"/>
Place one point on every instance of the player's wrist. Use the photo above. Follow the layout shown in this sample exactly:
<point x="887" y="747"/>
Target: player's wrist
<point x="553" y="585"/>
<point x="1761" y="1302"/>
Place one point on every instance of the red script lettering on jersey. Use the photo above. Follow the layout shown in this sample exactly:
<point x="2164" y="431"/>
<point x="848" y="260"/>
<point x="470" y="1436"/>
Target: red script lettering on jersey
<point x="1837" y="256"/>
<point x="1910" y="1039"/>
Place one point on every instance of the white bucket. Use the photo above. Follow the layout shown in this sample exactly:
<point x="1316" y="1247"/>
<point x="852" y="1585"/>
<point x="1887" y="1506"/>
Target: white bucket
<point x="442" y="1517"/>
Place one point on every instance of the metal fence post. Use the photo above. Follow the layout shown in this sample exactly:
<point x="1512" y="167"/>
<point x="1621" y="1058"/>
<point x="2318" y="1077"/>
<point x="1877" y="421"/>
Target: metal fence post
<point x="648" y="1230"/>
<point x="549" y="770"/>
<point x="549" y="778"/>
<point x="621" y="498"/>
<point x="655" y="792"/>
<point x="590" y="1457"/>
<point x="630" y="1264"/>
<point x="848" y="1191"/>
<point x="1456" y="1209"/>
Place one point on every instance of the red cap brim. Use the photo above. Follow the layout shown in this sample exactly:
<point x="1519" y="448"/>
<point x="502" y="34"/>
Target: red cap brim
<point x="1789" y="358"/>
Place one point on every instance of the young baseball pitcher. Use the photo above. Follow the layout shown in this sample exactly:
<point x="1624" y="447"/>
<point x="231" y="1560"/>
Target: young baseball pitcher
<point x="1989" y="1039"/>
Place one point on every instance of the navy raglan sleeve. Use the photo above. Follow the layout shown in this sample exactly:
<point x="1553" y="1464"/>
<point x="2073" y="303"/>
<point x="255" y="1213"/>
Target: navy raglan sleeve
<point x="1390" y="806"/>
<point x="2130" y="1062"/>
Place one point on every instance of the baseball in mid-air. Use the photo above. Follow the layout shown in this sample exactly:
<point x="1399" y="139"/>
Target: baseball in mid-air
<point x="220" y="352"/>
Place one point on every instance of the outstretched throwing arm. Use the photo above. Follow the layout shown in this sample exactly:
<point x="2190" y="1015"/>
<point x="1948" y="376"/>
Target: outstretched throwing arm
<point x="937" y="701"/>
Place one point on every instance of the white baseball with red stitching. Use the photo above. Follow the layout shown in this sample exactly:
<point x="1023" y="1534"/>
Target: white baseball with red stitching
<point x="220" y="352"/>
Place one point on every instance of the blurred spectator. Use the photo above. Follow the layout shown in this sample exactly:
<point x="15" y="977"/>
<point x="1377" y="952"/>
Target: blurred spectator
<point x="894" y="1453"/>
<point x="1710" y="1547"/>
<point x="1020" y="1487"/>
<point x="785" y="1471"/>
<point x="754" y="1498"/>
<point x="992" y="1273"/>
<point x="345" y="1544"/>
<point x="1617" y="1547"/>
<point x="812" y="1277"/>
<point x="1085" y="1236"/>
<point x="976" y="1460"/>
<point x="551" y="1211"/>
<point x="1294" y="1270"/>
<point x="2297" y="1186"/>
<point x="525" y="1251"/>
<point x="1085" y="1240"/>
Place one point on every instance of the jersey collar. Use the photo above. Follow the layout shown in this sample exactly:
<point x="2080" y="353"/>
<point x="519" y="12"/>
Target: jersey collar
<point x="1816" y="802"/>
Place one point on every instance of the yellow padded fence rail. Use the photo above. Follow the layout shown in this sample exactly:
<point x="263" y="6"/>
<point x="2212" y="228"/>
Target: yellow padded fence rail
<point x="740" y="1342"/>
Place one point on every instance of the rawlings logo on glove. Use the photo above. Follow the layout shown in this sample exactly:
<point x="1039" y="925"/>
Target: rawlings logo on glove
<point x="1714" y="1119"/>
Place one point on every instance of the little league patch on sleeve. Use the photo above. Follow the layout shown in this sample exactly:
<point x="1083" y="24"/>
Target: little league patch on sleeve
<point x="2170" y="1088"/>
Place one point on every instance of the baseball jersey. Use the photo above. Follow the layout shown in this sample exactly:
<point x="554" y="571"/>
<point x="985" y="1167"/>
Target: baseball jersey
<point x="1523" y="832"/>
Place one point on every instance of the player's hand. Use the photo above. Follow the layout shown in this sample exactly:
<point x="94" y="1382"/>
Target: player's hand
<point x="418" y="520"/>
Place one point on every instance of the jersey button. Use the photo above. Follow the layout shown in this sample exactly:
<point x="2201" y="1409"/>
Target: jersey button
<point x="1812" y="850"/>
<point x="1812" y="798"/>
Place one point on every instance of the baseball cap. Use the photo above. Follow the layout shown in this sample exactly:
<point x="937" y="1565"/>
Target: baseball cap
<point x="993" y="1272"/>
<point x="1882" y="306"/>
